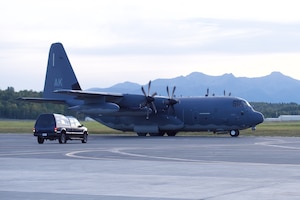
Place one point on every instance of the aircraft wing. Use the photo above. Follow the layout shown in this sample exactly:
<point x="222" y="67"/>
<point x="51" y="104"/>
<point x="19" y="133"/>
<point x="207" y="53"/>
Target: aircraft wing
<point x="90" y="95"/>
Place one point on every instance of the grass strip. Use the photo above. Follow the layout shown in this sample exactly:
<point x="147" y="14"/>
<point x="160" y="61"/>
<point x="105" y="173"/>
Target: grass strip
<point x="288" y="129"/>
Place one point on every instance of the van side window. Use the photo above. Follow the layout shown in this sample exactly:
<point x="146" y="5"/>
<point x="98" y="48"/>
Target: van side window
<point x="72" y="122"/>
<point x="63" y="121"/>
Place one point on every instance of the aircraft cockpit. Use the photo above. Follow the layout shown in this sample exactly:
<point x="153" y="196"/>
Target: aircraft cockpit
<point x="240" y="103"/>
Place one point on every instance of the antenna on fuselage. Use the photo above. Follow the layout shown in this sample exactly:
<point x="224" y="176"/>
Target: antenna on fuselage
<point x="207" y="92"/>
<point x="229" y="94"/>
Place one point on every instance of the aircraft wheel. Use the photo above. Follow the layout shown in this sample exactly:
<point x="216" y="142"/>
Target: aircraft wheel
<point x="62" y="138"/>
<point x="142" y="134"/>
<point x="40" y="140"/>
<point x="171" y="133"/>
<point x="162" y="133"/>
<point x="156" y="134"/>
<point x="234" y="133"/>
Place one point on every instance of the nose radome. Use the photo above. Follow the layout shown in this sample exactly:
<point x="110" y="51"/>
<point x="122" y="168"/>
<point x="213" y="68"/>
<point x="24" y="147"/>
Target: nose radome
<point x="259" y="118"/>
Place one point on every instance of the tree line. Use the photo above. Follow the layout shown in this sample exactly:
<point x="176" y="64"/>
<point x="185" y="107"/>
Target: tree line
<point x="10" y="108"/>
<point x="274" y="110"/>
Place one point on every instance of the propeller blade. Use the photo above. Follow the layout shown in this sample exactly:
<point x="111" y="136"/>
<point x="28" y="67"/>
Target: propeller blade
<point x="173" y="92"/>
<point x="143" y="90"/>
<point x="147" y="116"/>
<point x="154" y="107"/>
<point x="149" y="86"/>
<point x="168" y="91"/>
<point x="154" y="94"/>
<point x="142" y="105"/>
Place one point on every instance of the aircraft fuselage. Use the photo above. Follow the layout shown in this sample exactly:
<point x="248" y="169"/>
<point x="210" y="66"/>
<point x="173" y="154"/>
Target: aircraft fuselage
<point x="216" y="114"/>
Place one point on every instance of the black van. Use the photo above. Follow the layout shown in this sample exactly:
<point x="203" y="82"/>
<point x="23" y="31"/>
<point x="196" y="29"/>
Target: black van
<point x="57" y="126"/>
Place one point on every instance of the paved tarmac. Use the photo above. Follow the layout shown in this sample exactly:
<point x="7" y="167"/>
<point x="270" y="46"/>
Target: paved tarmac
<point x="144" y="168"/>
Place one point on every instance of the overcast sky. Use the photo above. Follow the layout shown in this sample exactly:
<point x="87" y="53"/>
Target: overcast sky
<point x="112" y="41"/>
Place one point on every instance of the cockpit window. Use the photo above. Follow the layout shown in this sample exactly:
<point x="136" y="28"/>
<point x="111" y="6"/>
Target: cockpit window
<point x="240" y="103"/>
<point x="248" y="104"/>
<point x="237" y="103"/>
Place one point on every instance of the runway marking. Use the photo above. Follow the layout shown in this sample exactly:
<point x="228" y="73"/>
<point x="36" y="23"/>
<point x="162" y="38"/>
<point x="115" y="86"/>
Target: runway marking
<point x="18" y="153"/>
<point x="119" y="151"/>
<point x="74" y="154"/>
<point x="278" y="143"/>
<point x="29" y="153"/>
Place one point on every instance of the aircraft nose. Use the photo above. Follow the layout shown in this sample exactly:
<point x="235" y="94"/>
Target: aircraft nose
<point x="259" y="118"/>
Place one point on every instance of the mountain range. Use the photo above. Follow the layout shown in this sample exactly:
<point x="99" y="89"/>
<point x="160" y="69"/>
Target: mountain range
<point x="273" y="88"/>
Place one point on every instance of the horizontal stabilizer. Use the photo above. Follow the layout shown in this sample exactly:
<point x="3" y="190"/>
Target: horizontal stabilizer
<point x="41" y="100"/>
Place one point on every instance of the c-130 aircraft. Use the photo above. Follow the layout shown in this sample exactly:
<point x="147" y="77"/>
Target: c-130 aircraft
<point x="145" y="113"/>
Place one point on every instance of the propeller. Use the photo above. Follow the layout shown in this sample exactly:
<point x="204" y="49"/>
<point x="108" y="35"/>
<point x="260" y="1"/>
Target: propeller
<point x="149" y="100"/>
<point x="171" y="101"/>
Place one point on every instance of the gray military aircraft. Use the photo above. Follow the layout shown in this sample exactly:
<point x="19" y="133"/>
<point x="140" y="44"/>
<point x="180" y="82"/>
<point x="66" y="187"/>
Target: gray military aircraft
<point x="145" y="113"/>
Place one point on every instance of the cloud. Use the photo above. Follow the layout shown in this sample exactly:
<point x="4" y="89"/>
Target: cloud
<point x="194" y="36"/>
<point x="117" y="39"/>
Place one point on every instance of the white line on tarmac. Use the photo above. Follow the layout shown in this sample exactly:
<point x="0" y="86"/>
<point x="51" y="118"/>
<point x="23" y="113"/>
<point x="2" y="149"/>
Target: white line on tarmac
<point x="279" y="144"/>
<point x="74" y="154"/>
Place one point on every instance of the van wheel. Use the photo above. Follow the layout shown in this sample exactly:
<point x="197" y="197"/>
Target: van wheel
<point x="62" y="138"/>
<point x="85" y="137"/>
<point x="40" y="140"/>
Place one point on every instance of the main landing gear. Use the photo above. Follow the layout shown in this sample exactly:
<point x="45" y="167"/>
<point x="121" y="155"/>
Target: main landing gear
<point x="234" y="133"/>
<point x="158" y="134"/>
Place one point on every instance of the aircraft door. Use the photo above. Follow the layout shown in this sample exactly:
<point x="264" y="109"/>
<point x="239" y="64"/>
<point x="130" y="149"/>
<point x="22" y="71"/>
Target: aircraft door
<point x="190" y="116"/>
<point x="197" y="117"/>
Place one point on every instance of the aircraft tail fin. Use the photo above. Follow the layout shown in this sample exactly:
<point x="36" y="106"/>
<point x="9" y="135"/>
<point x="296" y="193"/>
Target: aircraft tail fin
<point x="60" y="74"/>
